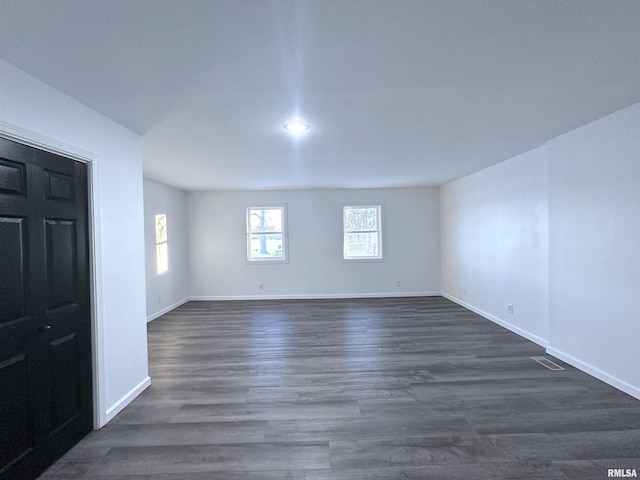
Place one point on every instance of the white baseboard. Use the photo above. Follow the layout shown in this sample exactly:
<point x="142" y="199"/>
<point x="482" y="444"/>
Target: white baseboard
<point x="523" y="333"/>
<point x="155" y="315"/>
<point x="595" y="372"/>
<point x="314" y="296"/>
<point x="585" y="367"/>
<point x="127" y="399"/>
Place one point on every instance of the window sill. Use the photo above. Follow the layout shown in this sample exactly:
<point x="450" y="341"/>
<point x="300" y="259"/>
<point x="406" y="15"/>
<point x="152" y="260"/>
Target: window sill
<point x="363" y="260"/>
<point x="267" y="262"/>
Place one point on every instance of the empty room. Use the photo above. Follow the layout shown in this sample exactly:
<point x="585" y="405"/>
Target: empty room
<point x="319" y="239"/>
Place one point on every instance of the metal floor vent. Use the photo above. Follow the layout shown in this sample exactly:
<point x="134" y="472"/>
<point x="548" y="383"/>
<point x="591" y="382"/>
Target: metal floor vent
<point x="545" y="362"/>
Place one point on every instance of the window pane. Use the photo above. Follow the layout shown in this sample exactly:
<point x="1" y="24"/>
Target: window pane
<point x="361" y="219"/>
<point x="161" y="228"/>
<point x="362" y="233"/>
<point x="266" y="246"/>
<point x="162" y="258"/>
<point x="265" y="220"/>
<point x="361" y="245"/>
<point x="266" y="236"/>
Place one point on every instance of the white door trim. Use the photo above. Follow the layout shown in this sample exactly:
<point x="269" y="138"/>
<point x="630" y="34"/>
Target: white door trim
<point x="42" y="142"/>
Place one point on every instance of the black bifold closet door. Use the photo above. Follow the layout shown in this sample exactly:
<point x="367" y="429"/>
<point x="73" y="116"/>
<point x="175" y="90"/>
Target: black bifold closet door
<point x="45" y="323"/>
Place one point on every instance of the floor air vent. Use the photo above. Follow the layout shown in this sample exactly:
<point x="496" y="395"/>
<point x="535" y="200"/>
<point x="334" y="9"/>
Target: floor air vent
<point x="545" y="362"/>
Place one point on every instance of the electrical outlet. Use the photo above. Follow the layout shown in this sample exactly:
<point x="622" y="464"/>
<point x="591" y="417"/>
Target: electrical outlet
<point x="510" y="308"/>
<point x="397" y="283"/>
<point x="261" y="286"/>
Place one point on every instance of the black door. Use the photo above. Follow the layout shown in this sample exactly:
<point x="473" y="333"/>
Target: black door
<point x="45" y="326"/>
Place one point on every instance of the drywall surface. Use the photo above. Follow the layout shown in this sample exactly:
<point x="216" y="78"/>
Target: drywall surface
<point x="494" y="244"/>
<point x="167" y="290"/>
<point x="217" y="249"/>
<point x="594" y="231"/>
<point x="40" y="111"/>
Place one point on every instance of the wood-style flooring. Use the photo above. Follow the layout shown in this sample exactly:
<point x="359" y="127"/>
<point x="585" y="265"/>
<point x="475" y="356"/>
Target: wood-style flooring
<point x="366" y="389"/>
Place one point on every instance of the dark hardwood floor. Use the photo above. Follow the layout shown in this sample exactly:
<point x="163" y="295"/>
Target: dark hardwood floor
<point x="369" y="389"/>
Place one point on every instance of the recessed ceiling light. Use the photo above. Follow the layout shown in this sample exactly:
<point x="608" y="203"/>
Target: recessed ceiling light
<point x="296" y="126"/>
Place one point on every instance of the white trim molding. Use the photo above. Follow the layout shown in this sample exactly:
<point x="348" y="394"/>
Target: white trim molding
<point x="503" y="323"/>
<point x="42" y="142"/>
<point x="313" y="296"/>
<point x="117" y="407"/>
<point x="155" y="315"/>
<point x="595" y="372"/>
<point x="580" y="365"/>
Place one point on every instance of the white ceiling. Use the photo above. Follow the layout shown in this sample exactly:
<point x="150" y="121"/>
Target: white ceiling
<point x="397" y="92"/>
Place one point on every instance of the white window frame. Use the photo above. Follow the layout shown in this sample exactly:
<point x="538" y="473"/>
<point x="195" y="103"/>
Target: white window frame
<point x="379" y="232"/>
<point x="284" y="258"/>
<point x="161" y="243"/>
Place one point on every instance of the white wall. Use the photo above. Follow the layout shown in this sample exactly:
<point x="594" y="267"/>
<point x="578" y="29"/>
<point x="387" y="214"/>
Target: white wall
<point x="594" y="229"/>
<point x="578" y="293"/>
<point x="494" y="227"/>
<point x="217" y="236"/>
<point x="171" y="288"/>
<point x="36" y="110"/>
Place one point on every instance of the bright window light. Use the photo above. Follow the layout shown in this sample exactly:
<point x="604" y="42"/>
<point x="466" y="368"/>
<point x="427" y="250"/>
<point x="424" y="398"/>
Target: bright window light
<point x="266" y="234"/>
<point x="162" y="249"/>
<point x="362" y="233"/>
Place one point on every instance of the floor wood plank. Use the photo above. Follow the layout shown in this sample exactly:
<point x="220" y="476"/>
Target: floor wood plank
<point x="395" y="388"/>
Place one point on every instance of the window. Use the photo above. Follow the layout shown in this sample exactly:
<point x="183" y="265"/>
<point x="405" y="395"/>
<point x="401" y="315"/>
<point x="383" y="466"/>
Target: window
<point x="162" y="253"/>
<point x="266" y="236"/>
<point x="362" y="233"/>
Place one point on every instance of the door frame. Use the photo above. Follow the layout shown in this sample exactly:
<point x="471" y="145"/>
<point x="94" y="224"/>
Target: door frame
<point x="42" y="142"/>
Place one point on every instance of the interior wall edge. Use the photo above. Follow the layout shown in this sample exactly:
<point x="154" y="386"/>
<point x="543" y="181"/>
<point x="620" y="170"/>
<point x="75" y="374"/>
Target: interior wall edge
<point x="559" y="354"/>
<point x="503" y="323"/>
<point x="118" y="406"/>
<point x="595" y="372"/>
<point x="167" y="309"/>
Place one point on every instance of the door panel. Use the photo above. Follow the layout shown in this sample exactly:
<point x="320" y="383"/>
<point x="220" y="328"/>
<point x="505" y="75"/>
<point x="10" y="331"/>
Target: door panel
<point x="59" y="186"/>
<point x="45" y="325"/>
<point x="12" y="178"/>
<point x="65" y="389"/>
<point x="61" y="263"/>
<point x="13" y="281"/>
<point x="16" y="428"/>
